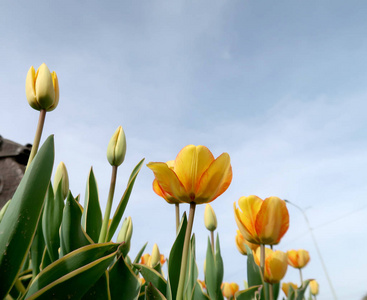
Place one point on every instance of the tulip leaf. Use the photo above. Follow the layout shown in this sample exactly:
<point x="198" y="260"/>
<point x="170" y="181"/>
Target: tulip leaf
<point x="76" y="264"/>
<point x="100" y="290"/>
<point x="3" y="209"/>
<point x="192" y="270"/>
<point x="253" y="270"/>
<point x="37" y="249"/>
<point x="252" y="293"/>
<point x="302" y="290"/>
<point x="123" y="202"/>
<point x="20" y="220"/>
<point x="92" y="215"/>
<point x="151" y="275"/>
<point x="219" y="263"/>
<point x="175" y="257"/>
<point x="152" y="293"/>
<point x="211" y="274"/>
<point x="123" y="281"/>
<point x="198" y="293"/>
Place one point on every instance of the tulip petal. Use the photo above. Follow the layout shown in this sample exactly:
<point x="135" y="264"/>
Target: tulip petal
<point x="30" y="89"/>
<point x="160" y="192"/>
<point x="168" y="181"/>
<point x="55" y="83"/>
<point x="272" y="221"/>
<point x="190" y="163"/>
<point x="275" y="266"/>
<point x="45" y="92"/>
<point x="215" y="180"/>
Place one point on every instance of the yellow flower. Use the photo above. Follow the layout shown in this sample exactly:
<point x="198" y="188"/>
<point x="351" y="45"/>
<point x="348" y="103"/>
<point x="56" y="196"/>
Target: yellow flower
<point x="298" y="258"/>
<point x="314" y="287"/>
<point x="229" y="289"/>
<point x="196" y="176"/>
<point x="285" y="287"/>
<point x="42" y="88"/>
<point x="210" y="219"/>
<point x="62" y="173"/>
<point x="146" y="259"/>
<point x="276" y="263"/>
<point x="158" y="190"/>
<point x="262" y="222"/>
<point x="116" y="148"/>
<point x="241" y="242"/>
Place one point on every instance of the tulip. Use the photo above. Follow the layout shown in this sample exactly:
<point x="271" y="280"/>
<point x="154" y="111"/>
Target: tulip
<point x="262" y="222"/>
<point x="229" y="289"/>
<point x="314" y="287"/>
<point x="210" y="219"/>
<point x="276" y="263"/>
<point x="61" y="175"/>
<point x="42" y="88"/>
<point x="298" y="258"/>
<point x="241" y="242"/>
<point x="285" y="287"/>
<point x="195" y="178"/>
<point x="201" y="284"/>
<point x="124" y="235"/>
<point x="116" y="149"/>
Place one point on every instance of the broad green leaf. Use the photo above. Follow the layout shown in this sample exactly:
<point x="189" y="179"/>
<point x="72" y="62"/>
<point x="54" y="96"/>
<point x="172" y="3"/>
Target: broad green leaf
<point x="92" y="215"/>
<point x="152" y="293"/>
<point x="253" y="270"/>
<point x="100" y="290"/>
<point x="302" y="290"/>
<point x="198" y="293"/>
<point x="3" y="210"/>
<point x="37" y="248"/>
<point x="210" y="273"/>
<point x="123" y="202"/>
<point x="74" y="264"/>
<point x="192" y="271"/>
<point x="151" y="275"/>
<point x="175" y="257"/>
<point x="252" y="293"/>
<point x="72" y="236"/>
<point x="20" y="220"/>
<point x="123" y="281"/>
<point x="219" y="267"/>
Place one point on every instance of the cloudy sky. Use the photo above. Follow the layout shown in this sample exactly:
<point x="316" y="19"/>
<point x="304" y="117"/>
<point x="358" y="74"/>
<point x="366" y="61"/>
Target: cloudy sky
<point x="279" y="86"/>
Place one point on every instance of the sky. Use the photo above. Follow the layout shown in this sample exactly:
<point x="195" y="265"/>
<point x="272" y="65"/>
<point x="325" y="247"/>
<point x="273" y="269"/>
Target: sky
<point x="281" y="87"/>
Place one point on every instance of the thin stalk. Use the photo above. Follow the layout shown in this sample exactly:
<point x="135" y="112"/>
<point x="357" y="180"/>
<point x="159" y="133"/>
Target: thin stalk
<point x="185" y="251"/>
<point x="271" y="291"/>
<point x="212" y="240"/>
<point x="103" y="234"/>
<point x="19" y="286"/>
<point x="300" y="275"/>
<point x="177" y="207"/>
<point x="37" y="137"/>
<point x="262" y="265"/>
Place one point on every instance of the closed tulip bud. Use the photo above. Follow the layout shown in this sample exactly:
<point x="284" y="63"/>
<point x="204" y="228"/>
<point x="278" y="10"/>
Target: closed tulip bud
<point x="145" y="259"/>
<point x="42" y="88"/>
<point x="155" y="258"/>
<point x="210" y="219"/>
<point x="241" y="243"/>
<point x="314" y="287"/>
<point x="285" y="287"/>
<point x="298" y="258"/>
<point x="61" y="176"/>
<point x="126" y="231"/>
<point x="229" y="289"/>
<point x="276" y="263"/>
<point x="116" y="149"/>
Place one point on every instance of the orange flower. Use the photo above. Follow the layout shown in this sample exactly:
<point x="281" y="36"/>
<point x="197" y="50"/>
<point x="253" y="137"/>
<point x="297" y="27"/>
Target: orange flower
<point x="314" y="287"/>
<point x="262" y="222"/>
<point x="285" y="287"/>
<point x="195" y="176"/>
<point x="298" y="258"/>
<point x="241" y="242"/>
<point x="146" y="259"/>
<point x="229" y="289"/>
<point x="275" y="264"/>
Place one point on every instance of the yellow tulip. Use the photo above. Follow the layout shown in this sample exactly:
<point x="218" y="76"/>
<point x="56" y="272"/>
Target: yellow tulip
<point x="262" y="222"/>
<point x="42" y="88"/>
<point x="210" y="219"/>
<point x="276" y="264"/>
<point x="241" y="242"/>
<point x="298" y="258"/>
<point x="196" y="176"/>
<point x="116" y="148"/>
<point x="285" y="287"/>
<point x="62" y="173"/>
<point x="314" y="287"/>
<point x="229" y="289"/>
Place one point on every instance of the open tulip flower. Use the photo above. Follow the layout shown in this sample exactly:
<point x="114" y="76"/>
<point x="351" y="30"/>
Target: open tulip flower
<point x="276" y="264"/>
<point x="298" y="258"/>
<point x="262" y="222"/>
<point x="195" y="176"/>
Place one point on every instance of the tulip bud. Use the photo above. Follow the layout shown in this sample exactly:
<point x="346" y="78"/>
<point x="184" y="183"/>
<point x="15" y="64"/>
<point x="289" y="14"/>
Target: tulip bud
<point x="116" y="149"/>
<point x="229" y="289"/>
<point x="285" y="287"/>
<point x="155" y="257"/>
<point x="210" y="219"/>
<point x="42" y="88"/>
<point x="314" y="287"/>
<point x="126" y="231"/>
<point x="61" y="175"/>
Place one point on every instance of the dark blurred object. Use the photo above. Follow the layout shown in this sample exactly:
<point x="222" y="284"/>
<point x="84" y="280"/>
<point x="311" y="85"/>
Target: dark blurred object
<point x="13" y="161"/>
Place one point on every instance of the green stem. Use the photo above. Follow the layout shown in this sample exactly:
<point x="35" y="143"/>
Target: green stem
<point x="212" y="240"/>
<point x="262" y="265"/>
<point x="37" y="137"/>
<point x="271" y="291"/>
<point x="185" y="251"/>
<point x="103" y="234"/>
<point x="300" y="275"/>
<point x="177" y="206"/>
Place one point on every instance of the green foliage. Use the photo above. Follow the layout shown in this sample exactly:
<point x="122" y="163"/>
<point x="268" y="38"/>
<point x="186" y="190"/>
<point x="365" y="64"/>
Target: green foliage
<point x="252" y="293"/>
<point x="214" y="271"/>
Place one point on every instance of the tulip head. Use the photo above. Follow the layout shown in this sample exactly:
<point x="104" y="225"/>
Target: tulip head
<point x="61" y="177"/>
<point x="276" y="263"/>
<point x="42" y="88"/>
<point x="116" y="149"/>
<point x="285" y="287"/>
<point x="155" y="258"/>
<point x="196" y="176"/>
<point x="262" y="222"/>
<point x="125" y="234"/>
<point x="229" y="289"/>
<point x="298" y="258"/>
<point x="241" y="243"/>
<point x="210" y="219"/>
<point x="314" y="287"/>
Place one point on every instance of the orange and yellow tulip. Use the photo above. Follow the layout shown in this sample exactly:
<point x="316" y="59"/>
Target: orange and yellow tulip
<point x="229" y="289"/>
<point x="194" y="176"/>
<point x="241" y="242"/>
<point x="314" y="287"/>
<point x="276" y="264"/>
<point x="298" y="258"/>
<point x="262" y="222"/>
<point x="285" y="287"/>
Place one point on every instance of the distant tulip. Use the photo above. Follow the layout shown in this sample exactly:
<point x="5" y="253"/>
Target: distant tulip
<point x="285" y="287"/>
<point x="314" y="287"/>
<point x="116" y="149"/>
<point x="62" y="174"/>
<point x="210" y="219"/>
<point x="275" y="265"/>
<point x="196" y="177"/>
<point x="229" y="289"/>
<point x="298" y="258"/>
<point x="262" y="222"/>
<point x="241" y="242"/>
<point x="42" y="88"/>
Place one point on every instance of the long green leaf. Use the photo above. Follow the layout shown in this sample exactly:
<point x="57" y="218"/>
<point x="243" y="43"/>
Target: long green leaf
<point x="151" y="275"/>
<point x="123" y="202"/>
<point x="20" y="220"/>
<point x="219" y="267"/>
<point x="100" y="290"/>
<point x="210" y="273"/>
<point x="252" y="293"/>
<point x="152" y="293"/>
<point x="253" y="270"/>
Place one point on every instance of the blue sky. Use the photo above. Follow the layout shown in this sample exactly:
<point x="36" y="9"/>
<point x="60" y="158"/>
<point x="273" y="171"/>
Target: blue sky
<point x="281" y="87"/>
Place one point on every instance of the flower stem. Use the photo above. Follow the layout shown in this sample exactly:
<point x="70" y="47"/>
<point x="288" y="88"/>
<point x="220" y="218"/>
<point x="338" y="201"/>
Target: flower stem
<point x="262" y="265"/>
<point x="177" y="206"/>
<point x="103" y="233"/>
<point x="271" y="291"/>
<point x="37" y="137"/>
<point x="300" y="275"/>
<point x="185" y="251"/>
<point x="212" y="240"/>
